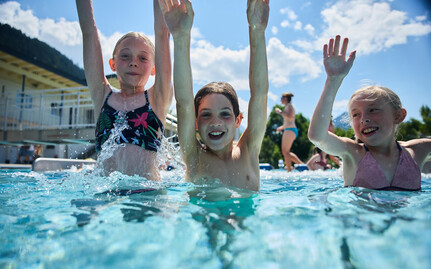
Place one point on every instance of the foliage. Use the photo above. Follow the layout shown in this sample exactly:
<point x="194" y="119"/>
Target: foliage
<point x="426" y="118"/>
<point x="302" y="145"/>
<point x="413" y="128"/>
<point x="408" y="130"/>
<point x="271" y="147"/>
<point x="345" y="133"/>
<point x="270" y="152"/>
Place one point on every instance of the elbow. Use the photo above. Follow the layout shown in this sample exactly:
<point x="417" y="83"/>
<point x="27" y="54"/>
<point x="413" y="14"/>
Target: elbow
<point x="314" y="136"/>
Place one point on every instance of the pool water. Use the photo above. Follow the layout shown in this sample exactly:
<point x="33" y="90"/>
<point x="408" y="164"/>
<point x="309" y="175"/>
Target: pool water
<point x="297" y="220"/>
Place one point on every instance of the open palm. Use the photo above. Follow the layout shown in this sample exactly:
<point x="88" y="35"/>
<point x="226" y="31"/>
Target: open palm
<point x="178" y="16"/>
<point x="334" y="60"/>
<point x="258" y="13"/>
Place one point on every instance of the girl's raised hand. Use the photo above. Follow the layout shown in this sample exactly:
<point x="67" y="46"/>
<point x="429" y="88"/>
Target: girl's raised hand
<point x="334" y="60"/>
<point x="257" y="14"/>
<point x="178" y="16"/>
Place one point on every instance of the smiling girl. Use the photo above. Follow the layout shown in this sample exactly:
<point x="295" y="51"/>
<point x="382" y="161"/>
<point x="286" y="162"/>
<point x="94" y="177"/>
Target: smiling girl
<point x="215" y="112"/>
<point x="135" y="59"/>
<point x="380" y="162"/>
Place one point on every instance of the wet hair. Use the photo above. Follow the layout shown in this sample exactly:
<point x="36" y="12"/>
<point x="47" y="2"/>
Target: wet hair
<point x="373" y="93"/>
<point x="136" y="35"/>
<point x="288" y="96"/>
<point x="223" y="88"/>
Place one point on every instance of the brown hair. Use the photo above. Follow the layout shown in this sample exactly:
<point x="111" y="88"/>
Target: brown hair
<point x="136" y="35"/>
<point x="288" y="96"/>
<point x="219" y="88"/>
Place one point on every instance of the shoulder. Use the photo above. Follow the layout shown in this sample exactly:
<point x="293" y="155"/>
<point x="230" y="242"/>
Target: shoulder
<point x="419" y="149"/>
<point x="415" y="143"/>
<point x="354" y="151"/>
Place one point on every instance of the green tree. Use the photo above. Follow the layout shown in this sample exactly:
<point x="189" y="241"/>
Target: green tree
<point x="271" y="146"/>
<point x="270" y="152"/>
<point x="345" y="133"/>
<point x="302" y="145"/>
<point x="426" y="118"/>
<point x="409" y="130"/>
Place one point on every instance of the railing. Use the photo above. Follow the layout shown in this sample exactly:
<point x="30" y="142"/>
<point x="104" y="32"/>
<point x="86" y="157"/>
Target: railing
<point x="69" y="108"/>
<point x="48" y="109"/>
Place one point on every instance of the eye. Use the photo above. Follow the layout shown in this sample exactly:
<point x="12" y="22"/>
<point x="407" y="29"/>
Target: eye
<point x="374" y="110"/>
<point x="226" y="114"/>
<point x="143" y="58"/>
<point x="205" y="115"/>
<point x="124" y="56"/>
<point x="354" y="115"/>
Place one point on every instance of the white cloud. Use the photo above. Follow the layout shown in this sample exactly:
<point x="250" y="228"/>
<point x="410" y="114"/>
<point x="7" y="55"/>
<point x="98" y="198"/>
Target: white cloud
<point x="291" y="15"/>
<point x="339" y="107"/>
<point x="309" y="29"/>
<point x="283" y="62"/>
<point x="63" y="35"/>
<point x="211" y="63"/>
<point x="61" y="32"/>
<point x="371" y="26"/>
<point x="274" y="30"/>
<point x="297" y="26"/>
<point x="421" y="18"/>
<point x="12" y="14"/>
<point x="285" y="24"/>
<point x="243" y="107"/>
<point x="273" y="97"/>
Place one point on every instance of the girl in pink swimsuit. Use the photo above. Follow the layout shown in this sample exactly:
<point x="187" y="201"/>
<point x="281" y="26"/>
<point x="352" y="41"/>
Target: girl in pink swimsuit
<point x="379" y="162"/>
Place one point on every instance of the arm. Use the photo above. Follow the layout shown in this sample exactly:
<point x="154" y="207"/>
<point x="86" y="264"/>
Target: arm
<point x="179" y="19"/>
<point x="93" y="59"/>
<point x="287" y="112"/>
<point x="257" y="14"/>
<point x="334" y="159"/>
<point x="421" y="150"/>
<point x="163" y="90"/>
<point x="336" y="68"/>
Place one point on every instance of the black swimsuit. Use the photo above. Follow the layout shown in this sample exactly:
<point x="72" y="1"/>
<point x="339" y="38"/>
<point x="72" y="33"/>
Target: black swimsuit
<point x="144" y="128"/>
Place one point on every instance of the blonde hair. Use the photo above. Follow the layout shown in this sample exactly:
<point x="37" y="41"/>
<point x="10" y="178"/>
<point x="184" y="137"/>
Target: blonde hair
<point x="373" y="93"/>
<point x="136" y="35"/>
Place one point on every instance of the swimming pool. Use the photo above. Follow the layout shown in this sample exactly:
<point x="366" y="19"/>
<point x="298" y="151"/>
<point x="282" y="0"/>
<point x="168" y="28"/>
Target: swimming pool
<point x="297" y="220"/>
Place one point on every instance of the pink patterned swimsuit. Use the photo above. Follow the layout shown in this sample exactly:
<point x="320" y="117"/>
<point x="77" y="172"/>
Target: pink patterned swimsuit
<point x="407" y="175"/>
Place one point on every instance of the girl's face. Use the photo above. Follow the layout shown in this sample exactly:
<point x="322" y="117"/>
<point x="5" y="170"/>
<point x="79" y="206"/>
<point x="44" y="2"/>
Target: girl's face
<point x="374" y="121"/>
<point x="216" y="122"/>
<point x="133" y="62"/>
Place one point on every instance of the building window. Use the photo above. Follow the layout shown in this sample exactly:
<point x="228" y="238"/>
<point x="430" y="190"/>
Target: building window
<point x="24" y="101"/>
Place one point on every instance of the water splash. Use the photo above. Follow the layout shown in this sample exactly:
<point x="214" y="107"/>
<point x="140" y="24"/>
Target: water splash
<point x="111" y="145"/>
<point x="169" y="154"/>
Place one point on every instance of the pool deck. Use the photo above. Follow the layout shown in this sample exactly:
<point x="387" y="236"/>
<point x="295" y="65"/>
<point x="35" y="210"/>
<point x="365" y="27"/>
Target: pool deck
<point x="14" y="166"/>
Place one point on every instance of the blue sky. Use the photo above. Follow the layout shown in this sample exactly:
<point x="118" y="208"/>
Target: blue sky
<point x="392" y="39"/>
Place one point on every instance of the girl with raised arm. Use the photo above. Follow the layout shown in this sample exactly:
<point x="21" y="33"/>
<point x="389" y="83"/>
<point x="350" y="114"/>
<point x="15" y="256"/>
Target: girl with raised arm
<point x="379" y="162"/>
<point x="215" y="111"/>
<point x="144" y="111"/>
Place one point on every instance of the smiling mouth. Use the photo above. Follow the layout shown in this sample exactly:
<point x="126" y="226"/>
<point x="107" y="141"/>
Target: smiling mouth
<point x="370" y="131"/>
<point x="215" y="135"/>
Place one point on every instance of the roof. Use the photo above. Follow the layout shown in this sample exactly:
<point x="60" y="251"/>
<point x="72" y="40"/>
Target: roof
<point x="40" y="63"/>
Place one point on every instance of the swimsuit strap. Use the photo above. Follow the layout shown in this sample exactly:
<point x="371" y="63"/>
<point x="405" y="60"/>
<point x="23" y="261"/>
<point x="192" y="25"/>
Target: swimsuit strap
<point x="107" y="97"/>
<point x="146" y="98"/>
<point x="398" y="145"/>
